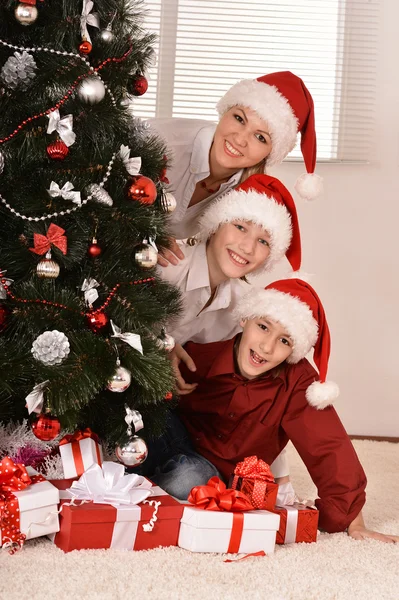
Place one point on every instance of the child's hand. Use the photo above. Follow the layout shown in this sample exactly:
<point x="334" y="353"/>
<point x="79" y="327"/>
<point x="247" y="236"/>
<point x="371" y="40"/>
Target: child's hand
<point x="170" y="255"/>
<point x="360" y="532"/>
<point x="178" y="355"/>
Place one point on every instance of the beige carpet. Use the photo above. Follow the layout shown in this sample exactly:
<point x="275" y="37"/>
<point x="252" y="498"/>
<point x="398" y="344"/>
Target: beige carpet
<point x="335" y="568"/>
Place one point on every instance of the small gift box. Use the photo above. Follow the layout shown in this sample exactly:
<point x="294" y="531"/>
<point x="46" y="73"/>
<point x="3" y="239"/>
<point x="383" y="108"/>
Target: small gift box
<point x="223" y="520"/>
<point x="107" y="509"/>
<point x="253" y="478"/>
<point x="298" y="523"/>
<point x="28" y="504"/>
<point x="79" y="451"/>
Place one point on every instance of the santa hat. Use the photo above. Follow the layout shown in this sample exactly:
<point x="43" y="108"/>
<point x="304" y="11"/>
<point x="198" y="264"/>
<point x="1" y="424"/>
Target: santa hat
<point x="297" y="307"/>
<point x="285" y="103"/>
<point x="265" y="201"/>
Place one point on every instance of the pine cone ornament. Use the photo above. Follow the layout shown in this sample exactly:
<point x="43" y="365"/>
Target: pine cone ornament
<point x="51" y="347"/>
<point x="19" y="70"/>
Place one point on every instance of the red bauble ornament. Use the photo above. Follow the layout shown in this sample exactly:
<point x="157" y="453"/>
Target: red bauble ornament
<point x="85" y="47"/>
<point x="138" y="85"/>
<point x="46" y="427"/>
<point x="168" y="396"/>
<point x="57" y="150"/>
<point x="142" y="189"/>
<point x="94" y="249"/>
<point x="3" y="317"/>
<point x="97" y="321"/>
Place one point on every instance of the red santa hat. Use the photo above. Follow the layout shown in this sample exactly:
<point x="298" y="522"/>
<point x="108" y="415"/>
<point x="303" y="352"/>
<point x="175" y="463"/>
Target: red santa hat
<point x="265" y="201"/>
<point x="284" y="102"/>
<point x="297" y="307"/>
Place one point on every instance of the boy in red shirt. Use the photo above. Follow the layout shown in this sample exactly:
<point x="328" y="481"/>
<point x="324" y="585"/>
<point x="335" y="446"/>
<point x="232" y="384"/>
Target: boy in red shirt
<point x="256" y="392"/>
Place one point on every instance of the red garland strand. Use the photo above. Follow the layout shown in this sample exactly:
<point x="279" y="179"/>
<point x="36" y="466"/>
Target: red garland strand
<point x="58" y="305"/>
<point x="65" y="98"/>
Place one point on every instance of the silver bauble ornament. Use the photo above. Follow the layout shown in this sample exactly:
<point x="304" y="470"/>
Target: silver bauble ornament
<point x="26" y="14"/>
<point x="133" y="452"/>
<point x="166" y="342"/>
<point x="47" y="268"/>
<point x="120" y="380"/>
<point x="91" y="90"/>
<point x="168" y="202"/>
<point x="107" y="35"/>
<point x="145" y="256"/>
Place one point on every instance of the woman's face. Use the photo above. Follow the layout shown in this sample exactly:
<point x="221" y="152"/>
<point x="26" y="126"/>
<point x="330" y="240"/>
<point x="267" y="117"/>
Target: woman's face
<point x="241" y="140"/>
<point x="237" y="249"/>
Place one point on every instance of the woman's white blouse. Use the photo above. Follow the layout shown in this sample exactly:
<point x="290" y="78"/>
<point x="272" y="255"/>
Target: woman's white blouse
<point x="188" y="144"/>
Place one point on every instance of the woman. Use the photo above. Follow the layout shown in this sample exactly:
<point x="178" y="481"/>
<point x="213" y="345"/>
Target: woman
<point x="259" y="122"/>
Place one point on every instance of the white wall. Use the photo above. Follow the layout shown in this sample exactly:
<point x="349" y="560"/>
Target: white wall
<point x="350" y="243"/>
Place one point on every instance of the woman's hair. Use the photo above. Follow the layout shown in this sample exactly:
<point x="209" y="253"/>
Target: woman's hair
<point x="258" y="169"/>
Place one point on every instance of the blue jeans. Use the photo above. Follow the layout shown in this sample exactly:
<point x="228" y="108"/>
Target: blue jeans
<point x="172" y="462"/>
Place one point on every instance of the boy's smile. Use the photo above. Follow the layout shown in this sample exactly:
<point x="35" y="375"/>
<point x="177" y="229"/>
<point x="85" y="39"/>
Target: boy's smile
<point x="264" y="345"/>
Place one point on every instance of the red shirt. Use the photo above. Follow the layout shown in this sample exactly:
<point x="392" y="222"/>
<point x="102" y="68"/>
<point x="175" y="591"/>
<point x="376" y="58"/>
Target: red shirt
<point x="230" y="417"/>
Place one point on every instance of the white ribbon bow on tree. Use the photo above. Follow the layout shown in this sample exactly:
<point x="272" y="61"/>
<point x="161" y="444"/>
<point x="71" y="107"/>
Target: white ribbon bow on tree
<point x="133" y="339"/>
<point x="89" y="288"/>
<point x="109" y="484"/>
<point x="35" y="400"/>
<point x="88" y="19"/>
<point x="132" y="165"/>
<point x="62" y="126"/>
<point x="3" y="293"/>
<point x="65" y="192"/>
<point x="133" y="417"/>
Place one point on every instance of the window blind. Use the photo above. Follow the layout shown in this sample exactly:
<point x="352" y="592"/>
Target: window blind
<point x="205" y="46"/>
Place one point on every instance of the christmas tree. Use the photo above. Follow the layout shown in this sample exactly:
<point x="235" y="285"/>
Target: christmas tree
<point x="82" y="211"/>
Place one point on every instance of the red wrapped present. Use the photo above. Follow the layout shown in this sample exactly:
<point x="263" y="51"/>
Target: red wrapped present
<point x="79" y="451"/>
<point x="298" y="523"/>
<point x="224" y="520"/>
<point x="253" y="477"/>
<point x="28" y="505"/>
<point x="154" y="521"/>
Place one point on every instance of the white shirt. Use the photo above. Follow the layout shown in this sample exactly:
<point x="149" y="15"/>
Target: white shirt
<point x="188" y="144"/>
<point x="191" y="276"/>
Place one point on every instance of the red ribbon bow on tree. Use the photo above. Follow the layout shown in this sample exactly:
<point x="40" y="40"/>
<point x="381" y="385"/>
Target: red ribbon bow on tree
<point x="79" y="435"/>
<point x="13" y="478"/>
<point x="215" y="496"/>
<point x="55" y="236"/>
<point x="258" y="470"/>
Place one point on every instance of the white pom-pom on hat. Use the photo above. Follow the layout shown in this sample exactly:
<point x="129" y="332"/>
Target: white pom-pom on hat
<point x="322" y="394"/>
<point x="309" y="186"/>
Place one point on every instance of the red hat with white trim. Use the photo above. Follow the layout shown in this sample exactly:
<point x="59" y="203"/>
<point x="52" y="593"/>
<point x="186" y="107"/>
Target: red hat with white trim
<point x="284" y="102"/>
<point x="265" y="201"/>
<point x="297" y="307"/>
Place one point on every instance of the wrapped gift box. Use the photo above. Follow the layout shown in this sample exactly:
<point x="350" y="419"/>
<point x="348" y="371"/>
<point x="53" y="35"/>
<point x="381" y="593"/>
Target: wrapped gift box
<point x="94" y="526"/>
<point x="38" y="508"/>
<point x="248" y="487"/>
<point x="253" y="478"/>
<point x="298" y="523"/>
<point x="239" y="532"/>
<point x="79" y="451"/>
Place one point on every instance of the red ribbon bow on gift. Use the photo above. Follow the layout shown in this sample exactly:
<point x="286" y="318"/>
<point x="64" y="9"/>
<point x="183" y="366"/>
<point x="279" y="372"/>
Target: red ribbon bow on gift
<point x="13" y="478"/>
<point x="258" y="470"/>
<point x="215" y="496"/>
<point x="79" y="435"/>
<point x="55" y="236"/>
<point x="254" y="468"/>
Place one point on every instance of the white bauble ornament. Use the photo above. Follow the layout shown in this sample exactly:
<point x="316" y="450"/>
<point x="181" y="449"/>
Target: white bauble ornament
<point x="26" y="14"/>
<point x="133" y="452"/>
<point x="107" y="35"/>
<point x="91" y="90"/>
<point x="145" y="256"/>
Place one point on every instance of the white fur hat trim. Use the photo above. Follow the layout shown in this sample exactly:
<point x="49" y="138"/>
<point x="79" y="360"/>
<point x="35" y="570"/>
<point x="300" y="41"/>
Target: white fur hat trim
<point x="240" y="205"/>
<point x="319" y="395"/>
<point x="272" y="107"/>
<point x="293" y="314"/>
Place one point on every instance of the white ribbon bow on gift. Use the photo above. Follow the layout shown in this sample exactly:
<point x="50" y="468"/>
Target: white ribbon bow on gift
<point x="109" y="484"/>
<point x="132" y="165"/>
<point x="65" y="192"/>
<point x="88" y="19"/>
<point x="3" y="293"/>
<point x="133" y="339"/>
<point x="89" y="288"/>
<point x="62" y="126"/>
<point x="35" y="400"/>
